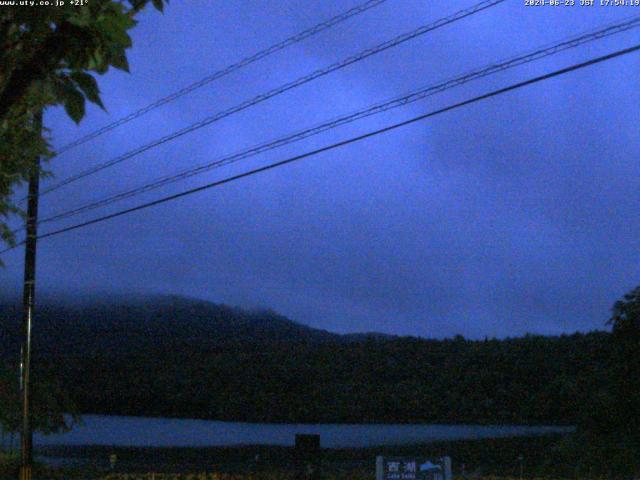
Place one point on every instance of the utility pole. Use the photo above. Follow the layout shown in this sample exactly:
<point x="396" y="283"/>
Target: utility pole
<point x="26" y="444"/>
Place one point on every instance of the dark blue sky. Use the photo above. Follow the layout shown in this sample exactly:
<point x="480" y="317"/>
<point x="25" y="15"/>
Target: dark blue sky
<point x="518" y="214"/>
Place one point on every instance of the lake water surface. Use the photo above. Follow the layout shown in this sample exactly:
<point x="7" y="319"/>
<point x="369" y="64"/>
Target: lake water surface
<point x="165" y="432"/>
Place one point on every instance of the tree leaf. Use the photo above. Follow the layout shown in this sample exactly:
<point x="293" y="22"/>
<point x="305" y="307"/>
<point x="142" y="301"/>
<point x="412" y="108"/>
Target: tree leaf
<point x="72" y="99"/>
<point x="159" y="4"/>
<point x="89" y="87"/>
<point x="74" y="106"/>
<point x="114" y="25"/>
<point x="119" y="59"/>
<point x="80" y="18"/>
<point x="97" y="62"/>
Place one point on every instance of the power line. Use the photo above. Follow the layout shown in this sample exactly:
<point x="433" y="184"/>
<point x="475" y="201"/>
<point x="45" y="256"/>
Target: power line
<point x="485" y="4"/>
<point x="343" y="143"/>
<point x="226" y="71"/>
<point x="542" y="52"/>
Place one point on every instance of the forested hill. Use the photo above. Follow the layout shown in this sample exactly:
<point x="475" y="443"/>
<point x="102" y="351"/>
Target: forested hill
<point x="123" y="325"/>
<point x="170" y="356"/>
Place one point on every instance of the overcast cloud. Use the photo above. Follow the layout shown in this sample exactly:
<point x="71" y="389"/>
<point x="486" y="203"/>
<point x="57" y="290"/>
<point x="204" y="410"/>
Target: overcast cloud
<point x="518" y="214"/>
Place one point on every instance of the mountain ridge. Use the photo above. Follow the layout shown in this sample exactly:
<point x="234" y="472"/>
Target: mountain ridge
<point x="128" y="323"/>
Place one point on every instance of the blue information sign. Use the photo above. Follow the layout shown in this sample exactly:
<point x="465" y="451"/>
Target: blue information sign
<point x="412" y="468"/>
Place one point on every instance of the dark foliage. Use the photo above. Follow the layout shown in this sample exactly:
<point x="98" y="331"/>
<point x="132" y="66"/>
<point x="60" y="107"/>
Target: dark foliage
<point x="177" y="357"/>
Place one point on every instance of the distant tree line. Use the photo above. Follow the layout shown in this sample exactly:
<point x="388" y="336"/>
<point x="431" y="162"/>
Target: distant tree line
<point x="530" y="380"/>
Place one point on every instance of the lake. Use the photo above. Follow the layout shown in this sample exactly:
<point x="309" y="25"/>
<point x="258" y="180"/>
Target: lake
<point x="165" y="432"/>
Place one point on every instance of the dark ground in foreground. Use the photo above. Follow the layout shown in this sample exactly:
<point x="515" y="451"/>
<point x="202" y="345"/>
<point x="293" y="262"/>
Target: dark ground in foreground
<point x="485" y="457"/>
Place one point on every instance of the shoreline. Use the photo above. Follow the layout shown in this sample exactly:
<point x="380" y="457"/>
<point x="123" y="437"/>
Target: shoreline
<point x="160" y="432"/>
<point x="481" y="456"/>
